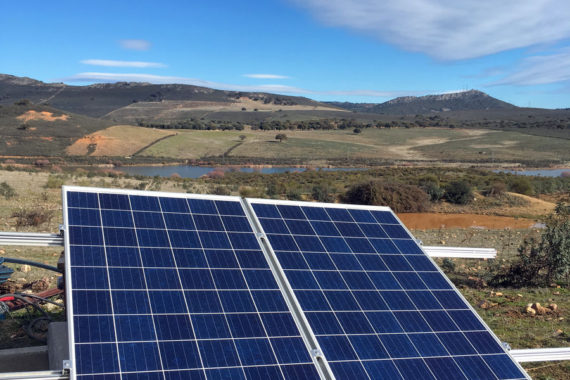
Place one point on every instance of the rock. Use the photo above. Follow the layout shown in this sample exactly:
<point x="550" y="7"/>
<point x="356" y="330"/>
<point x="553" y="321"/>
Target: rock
<point x="558" y="332"/>
<point x="530" y="310"/>
<point x="540" y="310"/>
<point x="442" y="242"/>
<point x="2" y="251"/>
<point x="553" y="307"/>
<point x="498" y="294"/>
<point x="556" y="293"/>
<point x="25" y="268"/>
<point x="519" y="295"/>
<point x="487" y="305"/>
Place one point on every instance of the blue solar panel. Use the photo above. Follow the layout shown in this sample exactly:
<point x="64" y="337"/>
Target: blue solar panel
<point x="378" y="306"/>
<point x="174" y="287"/>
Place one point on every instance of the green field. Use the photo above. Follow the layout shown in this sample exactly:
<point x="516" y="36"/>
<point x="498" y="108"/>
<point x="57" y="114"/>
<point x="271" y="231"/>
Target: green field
<point x="416" y="144"/>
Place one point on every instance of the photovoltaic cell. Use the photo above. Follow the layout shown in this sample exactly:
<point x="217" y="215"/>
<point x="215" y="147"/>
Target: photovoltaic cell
<point x="174" y="287"/>
<point x="178" y="287"/>
<point x="377" y="304"/>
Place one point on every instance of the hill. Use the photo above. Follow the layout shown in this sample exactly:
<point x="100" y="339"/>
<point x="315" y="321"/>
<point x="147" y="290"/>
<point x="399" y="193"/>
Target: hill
<point x="411" y="105"/>
<point x="98" y="100"/>
<point x="29" y="129"/>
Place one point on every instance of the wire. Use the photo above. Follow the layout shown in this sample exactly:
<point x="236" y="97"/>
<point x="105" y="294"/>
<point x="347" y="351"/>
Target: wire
<point x="38" y="297"/>
<point x="32" y="263"/>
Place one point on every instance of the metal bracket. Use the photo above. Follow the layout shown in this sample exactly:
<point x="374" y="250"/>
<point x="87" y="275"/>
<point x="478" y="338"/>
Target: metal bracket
<point x="316" y="353"/>
<point x="66" y="365"/>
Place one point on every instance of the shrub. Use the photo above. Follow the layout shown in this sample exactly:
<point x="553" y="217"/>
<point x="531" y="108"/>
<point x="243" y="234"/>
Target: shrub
<point x="54" y="182"/>
<point x="399" y="197"/>
<point x="250" y="192"/>
<point x="31" y="218"/>
<point x="542" y="260"/>
<point x="220" y="190"/>
<point x="521" y="185"/>
<point x="322" y="193"/>
<point x="7" y="191"/>
<point x="433" y="190"/>
<point x="281" y="137"/>
<point x="448" y="265"/>
<point x="294" y="194"/>
<point x="496" y="189"/>
<point x="459" y="192"/>
<point x="357" y="130"/>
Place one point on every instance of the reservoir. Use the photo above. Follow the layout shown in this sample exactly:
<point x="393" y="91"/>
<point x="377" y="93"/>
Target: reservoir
<point x="186" y="171"/>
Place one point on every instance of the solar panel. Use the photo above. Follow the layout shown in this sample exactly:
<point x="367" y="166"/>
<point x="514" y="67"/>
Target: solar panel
<point x="173" y="286"/>
<point x="377" y="304"/>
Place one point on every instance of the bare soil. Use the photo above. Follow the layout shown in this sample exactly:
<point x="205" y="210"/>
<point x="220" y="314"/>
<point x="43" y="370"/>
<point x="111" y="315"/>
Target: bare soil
<point x="429" y="221"/>
<point x="44" y="115"/>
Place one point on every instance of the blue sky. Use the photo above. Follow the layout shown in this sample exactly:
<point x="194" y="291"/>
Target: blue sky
<point x="346" y="50"/>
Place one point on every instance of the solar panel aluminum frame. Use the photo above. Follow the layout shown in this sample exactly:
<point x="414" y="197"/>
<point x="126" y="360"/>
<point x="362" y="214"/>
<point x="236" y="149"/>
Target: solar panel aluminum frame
<point x="251" y="201"/>
<point x="297" y="312"/>
<point x="252" y="219"/>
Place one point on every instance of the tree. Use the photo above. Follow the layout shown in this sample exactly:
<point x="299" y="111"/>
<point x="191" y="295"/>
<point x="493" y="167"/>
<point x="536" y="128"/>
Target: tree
<point x="281" y="137"/>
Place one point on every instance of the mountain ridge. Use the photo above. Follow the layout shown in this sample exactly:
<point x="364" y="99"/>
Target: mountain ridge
<point x="454" y="101"/>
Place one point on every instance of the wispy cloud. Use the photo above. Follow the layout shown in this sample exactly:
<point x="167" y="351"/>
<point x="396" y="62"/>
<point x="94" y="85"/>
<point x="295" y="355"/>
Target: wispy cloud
<point x="135" y="44"/>
<point x="266" y="76"/>
<point x="90" y="77"/>
<point x="540" y="69"/>
<point x="450" y="29"/>
<point x="113" y="63"/>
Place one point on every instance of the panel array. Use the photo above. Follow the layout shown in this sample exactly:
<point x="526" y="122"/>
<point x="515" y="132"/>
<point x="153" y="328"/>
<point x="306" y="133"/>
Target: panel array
<point x="377" y="304"/>
<point x="174" y="287"/>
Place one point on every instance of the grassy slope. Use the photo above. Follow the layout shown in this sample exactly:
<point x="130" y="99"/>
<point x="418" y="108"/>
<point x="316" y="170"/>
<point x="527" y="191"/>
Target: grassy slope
<point x="394" y="143"/>
<point x="118" y="140"/>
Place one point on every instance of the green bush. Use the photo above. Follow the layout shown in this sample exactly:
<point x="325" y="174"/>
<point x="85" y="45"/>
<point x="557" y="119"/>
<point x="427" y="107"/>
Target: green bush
<point x="459" y="192"/>
<point x="399" y="197"/>
<point x="543" y="260"/>
<point x="54" y="182"/>
<point x="433" y="190"/>
<point x="7" y="191"/>
<point x="448" y="265"/>
<point x="496" y="189"/>
<point x="521" y="185"/>
<point x="322" y="192"/>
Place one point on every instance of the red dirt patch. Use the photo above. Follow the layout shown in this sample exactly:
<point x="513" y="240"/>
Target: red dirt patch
<point x="428" y="221"/>
<point x="44" y="115"/>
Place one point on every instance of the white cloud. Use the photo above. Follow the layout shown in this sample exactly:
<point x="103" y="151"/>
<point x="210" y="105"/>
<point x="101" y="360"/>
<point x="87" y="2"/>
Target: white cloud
<point x="265" y="76"/>
<point x="113" y="63"/>
<point x="450" y="29"/>
<point x="540" y="69"/>
<point x="135" y="44"/>
<point x="90" y="77"/>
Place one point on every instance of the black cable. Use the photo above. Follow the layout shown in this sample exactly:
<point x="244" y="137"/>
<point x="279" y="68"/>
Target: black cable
<point x="32" y="263"/>
<point x="38" y="297"/>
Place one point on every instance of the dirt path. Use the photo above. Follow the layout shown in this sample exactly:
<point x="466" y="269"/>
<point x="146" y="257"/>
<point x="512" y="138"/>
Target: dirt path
<point x="428" y="221"/>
